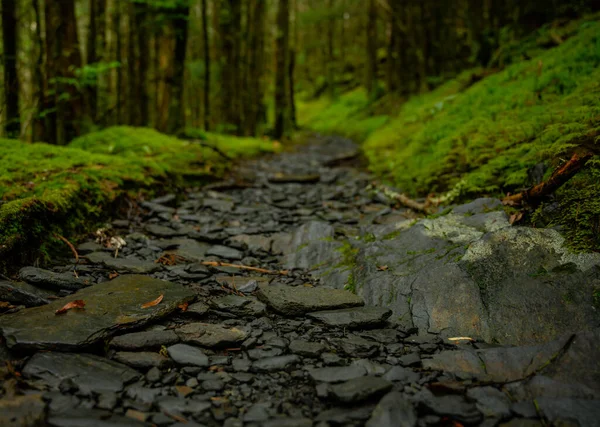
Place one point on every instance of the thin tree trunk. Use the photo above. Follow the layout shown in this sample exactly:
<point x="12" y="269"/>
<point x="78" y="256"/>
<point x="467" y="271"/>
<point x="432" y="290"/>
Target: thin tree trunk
<point x="331" y="54"/>
<point x="371" y="53"/>
<point x="40" y="84"/>
<point x="176" y="109"/>
<point x="12" y="126"/>
<point x="291" y="99"/>
<point x="143" y="45"/>
<point x="206" y="45"/>
<point x="282" y="108"/>
<point x="92" y="57"/>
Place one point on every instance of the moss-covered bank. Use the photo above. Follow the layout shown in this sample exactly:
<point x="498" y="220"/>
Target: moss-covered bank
<point x="47" y="190"/>
<point x="482" y="138"/>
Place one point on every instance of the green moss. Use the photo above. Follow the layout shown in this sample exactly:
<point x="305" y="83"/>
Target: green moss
<point x="46" y="189"/>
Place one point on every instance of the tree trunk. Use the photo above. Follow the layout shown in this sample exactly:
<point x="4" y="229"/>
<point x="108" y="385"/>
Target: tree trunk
<point x="206" y="45"/>
<point x="143" y="64"/>
<point x="282" y="108"/>
<point x="256" y="45"/>
<point x="229" y="31"/>
<point x="12" y="126"/>
<point x="371" y="53"/>
<point x="291" y="99"/>
<point x="331" y="54"/>
<point x="179" y="23"/>
<point x="63" y="58"/>
<point x="92" y="90"/>
<point x="39" y="131"/>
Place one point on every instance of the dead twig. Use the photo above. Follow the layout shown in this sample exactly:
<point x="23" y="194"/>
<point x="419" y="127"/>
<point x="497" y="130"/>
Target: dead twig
<point x="533" y="196"/>
<point x="244" y="267"/>
<point x="427" y="208"/>
<point x="70" y="246"/>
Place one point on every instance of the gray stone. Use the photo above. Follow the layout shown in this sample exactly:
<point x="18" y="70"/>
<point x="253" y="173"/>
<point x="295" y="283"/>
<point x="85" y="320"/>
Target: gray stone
<point x="144" y="340"/>
<point x="491" y="402"/>
<point x="393" y="410"/>
<point x="19" y="293"/>
<point x="88" y="372"/>
<point x="225" y="252"/>
<point x="187" y="355"/>
<point x="359" y="389"/>
<point x="141" y="359"/>
<point x="360" y="317"/>
<point x="306" y="348"/>
<point x="453" y="406"/>
<point x="565" y="411"/>
<point x="210" y="335"/>
<point x="84" y="417"/>
<point x="218" y="205"/>
<point x="162" y="231"/>
<point x="131" y="265"/>
<point x="403" y="375"/>
<point x="51" y="280"/>
<point x="157" y="207"/>
<point x="189" y="249"/>
<point x="278" y="363"/>
<point x="344" y="416"/>
<point x="288" y="422"/>
<point x="88" y="248"/>
<point x="254" y="242"/>
<point x="337" y="374"/>
<point x="478" y="206"/>
<point x="355" y="346"/>
<point x="110" y="307"/>
<point x="240" y="306"/>
<point x="299" y="300"/>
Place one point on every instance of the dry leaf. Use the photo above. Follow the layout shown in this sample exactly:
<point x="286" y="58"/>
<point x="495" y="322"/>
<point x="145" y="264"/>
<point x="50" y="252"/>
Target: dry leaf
<point x="382" y="267"/>
<point x="183" y="307"/>
<point x="516" y="217"/>
<point x="184" y="390"/>
<point x="153" y="303"/>
<point x="78" y="303"/>
<point x="113" y="275"/>
<point x="461" y="339"/>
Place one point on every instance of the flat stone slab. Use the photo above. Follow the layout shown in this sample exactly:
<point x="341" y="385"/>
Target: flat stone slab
<point x="20" y="293"/>
<point x="110" y="307"/>
<point x="131" y="265"/>
<point x="88" y="372"/>
<point x="50" y="280"/>
<point x="210" y="335"/>
<point x="360" y="317"/>
<point x="337" y="374"/>
<point x="144" y="340"/>
<point x="187" y="355"/>
<point x="359" y="389"/>
<point x="293" y="301"/>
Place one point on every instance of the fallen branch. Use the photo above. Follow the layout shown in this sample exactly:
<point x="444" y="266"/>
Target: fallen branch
<point x="244" y="267"/>
<point x="534" y="195"/>
<point x="70" y="246"/>
<point x="428" y="207"/>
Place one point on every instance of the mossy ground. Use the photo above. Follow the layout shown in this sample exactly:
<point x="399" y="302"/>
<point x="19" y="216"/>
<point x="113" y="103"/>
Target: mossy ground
<point x="46" y="189"/>
<point x="481" y="139"/>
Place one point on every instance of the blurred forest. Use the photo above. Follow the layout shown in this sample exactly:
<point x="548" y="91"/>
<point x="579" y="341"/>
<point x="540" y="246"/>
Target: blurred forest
<point x="234" y="66"/>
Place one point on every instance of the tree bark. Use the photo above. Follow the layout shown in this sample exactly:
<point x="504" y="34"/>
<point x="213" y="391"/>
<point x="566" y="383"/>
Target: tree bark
<point x="179" y="23"/>
<point x="206" y="89"/>
<point x="12" y="127"/>
<point x="371" y="53"/>
<point x="282" y="108"/>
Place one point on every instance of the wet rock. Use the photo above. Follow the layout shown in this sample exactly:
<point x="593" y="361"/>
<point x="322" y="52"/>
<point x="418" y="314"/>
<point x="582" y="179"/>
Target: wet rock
<point x="384" y="336"/>
<point x="393" y="410"/>
<point x="490" y="401"/>
<point x="88" y="248"/>
<point x="144" y="340"/>
<point x="19" y="293"/>
<point x="141" y="359"/>
<point x="278" y="363"/>
<point x="189" y="249"/>
<point x="249" y="283"/>
<point x="197" y="309"/>
<point x="355" y="346"/>
<point x="131" y="265"/>
<point x="83" y="417"/>
<point x="299" y="300"/>
<point x="452" y="406"/>
<point x="403" y="375"/>
<point x="187" y="355"/>
<point x="258" y="412"/>
<point x="345" y="416"/>
<point x="359" y="389"/>
<point x="218" y="205"/>
<point x="49" y="280"/>
<point x="89" y="373"/>
<point x="225" y="252"/>
<point x="254" y="242"/>
<point x="337" y="374"/>
<point x="306" y="348"/>
<point x="239" y="306"/>
<point x="361" y="317"/>
<point x="565" y="411"/>
<point x="22" y="411"/>
<point x="210" y="335"/>
<point x="288" y="422"/>
<point x="157" y="207"/>
<point x="110" y="307"/>
<point x="163" y="231"/>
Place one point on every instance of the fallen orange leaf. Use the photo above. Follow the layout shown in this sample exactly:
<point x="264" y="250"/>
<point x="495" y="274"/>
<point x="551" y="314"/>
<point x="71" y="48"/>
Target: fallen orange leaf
<point x="382" y="267"/>
<point x="153" y="303"/>
<point x="113" y="275"/>
<point x="183" y="307"/>
<point x="78" y="303"/>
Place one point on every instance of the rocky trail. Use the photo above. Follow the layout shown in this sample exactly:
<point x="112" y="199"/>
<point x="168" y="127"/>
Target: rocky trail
<point x="295" y="295"/>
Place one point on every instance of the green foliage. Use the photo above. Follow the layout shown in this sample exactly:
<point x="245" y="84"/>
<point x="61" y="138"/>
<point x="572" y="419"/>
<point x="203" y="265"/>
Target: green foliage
<point x="46" y="188"/>
<point x="481" y="140"/>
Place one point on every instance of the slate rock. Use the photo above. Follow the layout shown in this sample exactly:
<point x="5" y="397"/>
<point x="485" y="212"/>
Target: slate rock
<point x="225" y="252"/>
<point x="288" y="422"/>
<point x="393" y="410"/>
<point x="360" y="317"/>
<point x="88" y="372"/>
<point x="307" y="348"/>
<point x="355" y="346"/>
<point x="141" y="359"/>
<point x="278" y="363"/>
<point x="83" y="417"/>
<point x="491" y="402"/>
<point x="210" y="335"/>
<point x="110" y="307"/>
<point x="20" y="293"/>
<point x="345" y="416"/>
<point x="50" y="280"/>
<point x="239" y="306"/>
<point x="163" y="231"/>
<point x="359" y="389"/>
<point x="187" y="355"/>
<point x="453" y="406"/>
<point x="157" y="207"/>
<point x="144" y="340"/>
<point x="337" y="374"/>
<point x="298" y="300"/>
<point x="402" y="375"/>
<point x="131" y="265"/>
<point x="566" y="411"/>
<point x="189" y="249"/>
<point x="22" y="411"/>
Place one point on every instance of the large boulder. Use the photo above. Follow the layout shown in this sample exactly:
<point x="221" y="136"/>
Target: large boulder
<point x="469" y="272"/>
